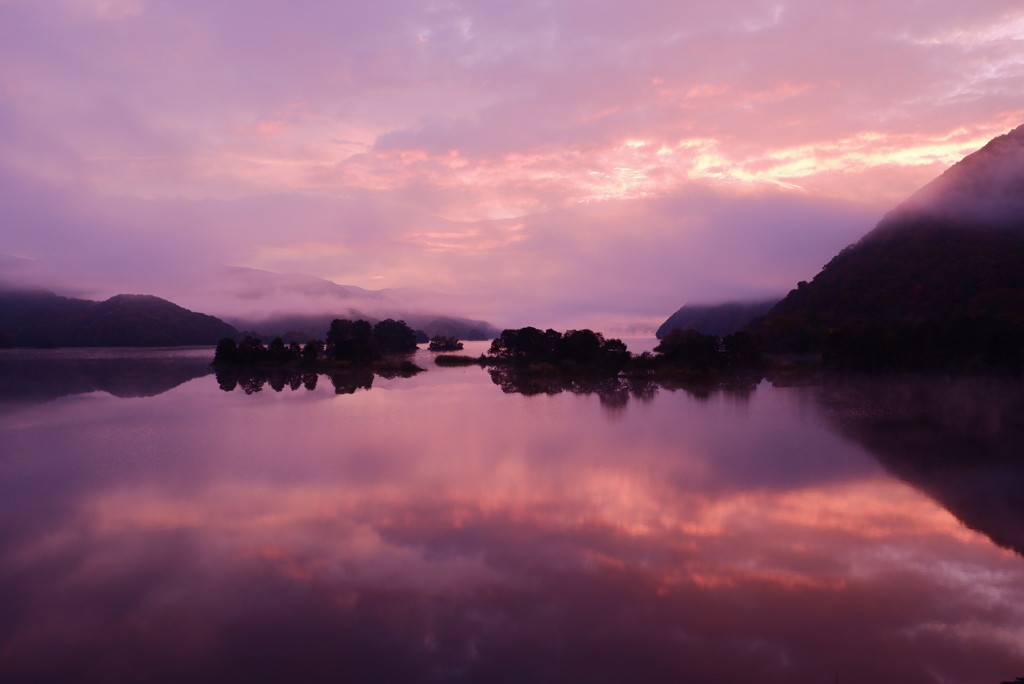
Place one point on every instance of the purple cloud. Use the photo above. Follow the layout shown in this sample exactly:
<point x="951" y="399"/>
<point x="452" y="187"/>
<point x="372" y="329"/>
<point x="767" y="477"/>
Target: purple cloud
<point x="516" y="152"/>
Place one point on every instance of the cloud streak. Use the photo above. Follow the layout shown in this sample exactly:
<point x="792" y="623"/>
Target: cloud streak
<point x="405" y="138"/>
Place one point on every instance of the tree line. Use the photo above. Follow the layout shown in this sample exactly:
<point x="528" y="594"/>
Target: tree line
<point x="531" y="350"/>
<point x="347" y="342"/>
<point x="357" y="343"/>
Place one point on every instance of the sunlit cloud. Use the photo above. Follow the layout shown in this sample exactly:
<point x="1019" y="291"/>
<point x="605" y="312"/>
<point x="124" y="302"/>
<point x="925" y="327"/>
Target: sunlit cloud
<point x="423" y="116"/>
<point x="1009" y="27"/>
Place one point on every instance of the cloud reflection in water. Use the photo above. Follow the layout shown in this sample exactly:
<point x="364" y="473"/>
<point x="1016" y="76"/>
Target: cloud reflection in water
<point x="441" y="530"/>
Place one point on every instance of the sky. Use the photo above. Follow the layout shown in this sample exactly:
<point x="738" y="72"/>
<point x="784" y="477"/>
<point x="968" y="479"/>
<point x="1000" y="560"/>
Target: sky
<point x="560" y="163"/>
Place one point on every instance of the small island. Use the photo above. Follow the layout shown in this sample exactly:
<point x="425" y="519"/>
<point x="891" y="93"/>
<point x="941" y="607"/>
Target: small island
<point x="351" y="354"/>
<point x="443" y="343"/>
<point x="681" y="354"/>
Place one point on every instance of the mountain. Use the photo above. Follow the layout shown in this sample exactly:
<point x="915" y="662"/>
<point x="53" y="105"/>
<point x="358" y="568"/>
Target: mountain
<point x="939" y="281"/>
<point x="316" y="325"/>
<point x="44" y="319"/>
<point x="720" y="319"/>
<point x="280" y="303"/>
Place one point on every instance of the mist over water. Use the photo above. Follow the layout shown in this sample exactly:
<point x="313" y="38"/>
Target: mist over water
<point x="439" y="529"/>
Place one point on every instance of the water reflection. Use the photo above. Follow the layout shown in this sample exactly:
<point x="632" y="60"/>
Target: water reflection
<point x="438" y="530"/>
<point x="44" y="375"/>
<point x="253" y="380"/>
<point x="344" y="381"/>
<point x="960" y="439"/>
<point x="615" y="392"/>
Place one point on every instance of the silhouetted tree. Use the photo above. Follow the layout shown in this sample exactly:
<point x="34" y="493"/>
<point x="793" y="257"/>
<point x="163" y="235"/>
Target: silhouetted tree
<point x="391" y="336"/>
<point x="615" y="354"/>
<point x="251" y="351"/>
<point x="278" y="353"/>
<point x="312" y="349"/>
<point x="690" y="349"/>
<point x="739" y="351"/>
<point x="526" y="345"/>
<point x="442" y="343"/>
<point x="575" y="350"/>
<point x="581" y="346"/>
<point x="227" y="352"/>
<point x="350" y="341"/>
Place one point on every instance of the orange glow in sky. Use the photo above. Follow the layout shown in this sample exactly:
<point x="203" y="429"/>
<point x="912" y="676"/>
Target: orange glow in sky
<point x="211" y="137"/>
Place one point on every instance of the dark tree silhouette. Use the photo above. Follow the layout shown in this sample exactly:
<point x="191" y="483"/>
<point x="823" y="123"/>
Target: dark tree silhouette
<point x="350" y="341"/>
<point x="251" y="352"/>
<point x="442" y="343"/>
<point x="227" y="352"/>
<point x="692" y="351"/>
<point x="526" y="345"/>
<point x="582" y="350"/>
<point x="311" y="351"/>
<point x="391" y="336"/>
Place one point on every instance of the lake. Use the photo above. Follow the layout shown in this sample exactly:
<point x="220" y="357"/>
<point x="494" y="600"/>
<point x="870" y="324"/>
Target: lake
<point x="459" y="527"/>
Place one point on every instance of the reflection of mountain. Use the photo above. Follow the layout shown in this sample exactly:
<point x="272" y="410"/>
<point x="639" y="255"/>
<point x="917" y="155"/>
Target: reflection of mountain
<point x="959" y="439"/>
<point x="31" y="378"/>
<point x="453" y="534"/>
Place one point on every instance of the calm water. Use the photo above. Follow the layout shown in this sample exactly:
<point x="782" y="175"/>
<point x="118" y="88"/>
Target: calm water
<point x="156" y="528"/>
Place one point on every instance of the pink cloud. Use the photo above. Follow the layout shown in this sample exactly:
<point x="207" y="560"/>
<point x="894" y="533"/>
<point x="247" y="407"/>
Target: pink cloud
<point x="386" y="123"/>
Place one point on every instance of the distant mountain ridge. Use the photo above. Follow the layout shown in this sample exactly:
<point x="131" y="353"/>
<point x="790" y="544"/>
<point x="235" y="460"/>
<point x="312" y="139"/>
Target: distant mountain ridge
<point x="280" y="303"/>
<point x="36" y="318"/>
<point x="716" y="319"/>
<point x="939" y="281"/>
<point x="45" y="319"/>
<point x="316" y="325"/>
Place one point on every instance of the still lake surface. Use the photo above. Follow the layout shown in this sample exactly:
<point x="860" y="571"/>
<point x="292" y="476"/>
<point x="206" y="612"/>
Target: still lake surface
<point x="445" y="528"/>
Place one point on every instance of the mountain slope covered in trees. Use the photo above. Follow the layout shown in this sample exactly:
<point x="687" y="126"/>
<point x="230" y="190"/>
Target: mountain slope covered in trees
<point x="717" y="319"/>
<point x="44" y="319"/>
<point x="939" y="281"/>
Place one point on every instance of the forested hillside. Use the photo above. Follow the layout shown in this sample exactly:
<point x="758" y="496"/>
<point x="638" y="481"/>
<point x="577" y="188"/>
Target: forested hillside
<point x="938" y="283"/>
<point x="44" y="319"/>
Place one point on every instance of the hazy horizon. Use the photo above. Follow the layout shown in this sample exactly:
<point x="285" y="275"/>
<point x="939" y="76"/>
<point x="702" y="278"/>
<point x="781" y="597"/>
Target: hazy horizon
<point x="560" y="165"/>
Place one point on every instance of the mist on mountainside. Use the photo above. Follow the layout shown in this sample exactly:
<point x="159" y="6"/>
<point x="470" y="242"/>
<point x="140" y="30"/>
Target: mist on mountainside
<point x="985" y="189"/>
<point x="938" y="283"/>
<point x="616" y="265"/>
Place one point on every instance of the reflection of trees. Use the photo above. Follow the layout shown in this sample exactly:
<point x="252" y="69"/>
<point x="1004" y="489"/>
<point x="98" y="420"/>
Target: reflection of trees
<point x="740" y="384"/>
<point x="960" y="439"/>
<point x="615" y="391"/>
<point x="348" y="382"/>
<point x="253" y="380"/>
